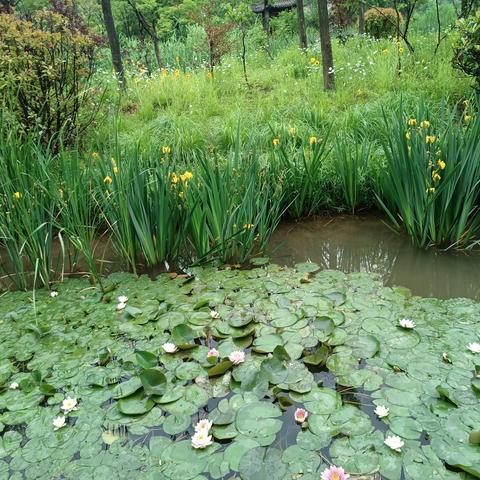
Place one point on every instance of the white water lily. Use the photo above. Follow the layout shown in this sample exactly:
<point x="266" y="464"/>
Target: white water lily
<point x="237" y="357"/>
<point x="121" y="305"/>
<point x="169" y="347"/>
<point x="214" y="314"/>
<point x="474" y="347"/>
<point x="54" y="293"/>
<point x="69" y="404"/>
<point x="406" y="323"/>
<point x="203" y="425"/>
<point x="58" y="422"/>
<point x="14" y="385"/>
<point x="122" y="299"/>
<point x="394" y="442"/>
<point x="382" y="411"/>
<point x="201" y="439"/>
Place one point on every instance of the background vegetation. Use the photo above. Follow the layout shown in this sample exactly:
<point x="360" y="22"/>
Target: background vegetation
<point x="218" y="129"/>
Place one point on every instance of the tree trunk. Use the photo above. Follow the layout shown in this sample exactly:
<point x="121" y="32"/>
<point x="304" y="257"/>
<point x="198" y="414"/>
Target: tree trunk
<point x="266" y="17"/>
<point x="244" y="57"/>
<point x="156" y="47"/>
<point x="326" y="45"/>
<point x="361" y="18"/>
<point x="301" y="25"/>
<point x="113" y="42"/>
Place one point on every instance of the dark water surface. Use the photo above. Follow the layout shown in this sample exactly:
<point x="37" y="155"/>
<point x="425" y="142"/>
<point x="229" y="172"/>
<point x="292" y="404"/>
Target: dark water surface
<point x="367" y="244"/>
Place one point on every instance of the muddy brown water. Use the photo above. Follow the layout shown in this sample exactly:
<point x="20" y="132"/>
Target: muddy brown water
<point x="347" y="243"/>
<point x="367" y="244"/>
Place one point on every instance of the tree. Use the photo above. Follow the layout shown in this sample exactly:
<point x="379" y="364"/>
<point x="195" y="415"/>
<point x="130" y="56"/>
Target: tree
<point x="148" y="19"/>
<point x="361" y="18"/>
<point x="216" y="31"/>
<point x="240" y="16"/>
<point x="301" y="25"/>
<point x="326" y="46"/>
<point x="113" y="42"/>
<point x="467" y="7"/>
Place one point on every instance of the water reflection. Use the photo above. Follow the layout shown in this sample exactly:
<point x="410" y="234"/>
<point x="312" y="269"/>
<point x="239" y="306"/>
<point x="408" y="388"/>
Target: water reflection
<point x="367" y="244"/>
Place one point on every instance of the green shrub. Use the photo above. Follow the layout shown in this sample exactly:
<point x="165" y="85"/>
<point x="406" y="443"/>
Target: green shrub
<point x="466" y="52"/>
<point x="381" y="22"/>
<point x="45" y="68"/>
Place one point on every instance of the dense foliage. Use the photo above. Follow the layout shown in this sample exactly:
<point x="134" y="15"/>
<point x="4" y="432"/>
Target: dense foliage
<point x="466" y="53"/>
<point x="46" y="65"/>
<point x="382" y="22"/>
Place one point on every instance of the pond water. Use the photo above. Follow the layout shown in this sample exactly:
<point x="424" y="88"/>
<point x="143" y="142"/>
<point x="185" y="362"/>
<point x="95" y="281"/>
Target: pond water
<point x="367" y="244"/>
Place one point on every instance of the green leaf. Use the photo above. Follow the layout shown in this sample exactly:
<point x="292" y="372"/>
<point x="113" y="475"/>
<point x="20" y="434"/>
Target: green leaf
<point x="154" y="381"/>
<point x="219" y="368"/>
<point x="146" y="359"/>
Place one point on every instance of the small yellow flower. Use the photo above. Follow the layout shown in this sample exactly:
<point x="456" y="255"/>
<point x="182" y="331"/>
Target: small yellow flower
<point x="17" y="195"/>
<point x="248" y="226"/>
<point x="424" y="123"/>
<point x="467" y="118"/>
<point x="431" y="190"/>
<point x="166" y="150"/>
<point x="115" y="170"/>
<point x="313" y="60"/>
<point x="436" y="177"/>
<point x="430" y="139"/>
<point x="292" y="131"/>
<point x="177" y="58"/>
<point x="400" y="50"/>
<point x="164" y="72"/>
<point x="107" y="180"/>
<point x="186" y="176"/>
<point x="176" y="73"/>
<point x="317" y="63"/>
<point x="276" y="141"/>
<point x="209" y="74"/>
<point x="312" y="140"/>
<point x="187" y="76"/>
<point x="408" y="135"/>
<point x="94" y="155"/>
<point x="412" y="122"/>
<point x="174" y="178"/>
<point x="441" y="164"/>
<point x="385" y="50"/>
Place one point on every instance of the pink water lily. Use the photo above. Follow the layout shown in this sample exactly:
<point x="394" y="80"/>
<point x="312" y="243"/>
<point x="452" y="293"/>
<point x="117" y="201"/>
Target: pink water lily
<point x="237" y="357"/>
<point x="213" y="353"/>
<point x="300" y="415"/>
<point x="334" y="473"/>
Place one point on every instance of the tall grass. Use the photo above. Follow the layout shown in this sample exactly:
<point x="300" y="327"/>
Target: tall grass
<point x="351" y="165"/>
<point x="298" y="162"/>
<point x="430" y="184"/>
<point x="234" y="208"/>
<point x="27" y="207"/>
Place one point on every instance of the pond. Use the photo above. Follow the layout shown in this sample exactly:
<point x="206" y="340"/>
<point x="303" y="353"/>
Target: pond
<point x="366" y="244"/>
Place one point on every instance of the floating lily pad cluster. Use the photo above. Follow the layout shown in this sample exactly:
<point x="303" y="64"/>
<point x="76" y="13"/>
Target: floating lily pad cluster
<point x="323" y="341"/>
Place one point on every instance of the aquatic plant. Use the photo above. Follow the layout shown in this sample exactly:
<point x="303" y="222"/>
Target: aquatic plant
<point x="430" y="181"/>
<point x="88" y="390"/>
